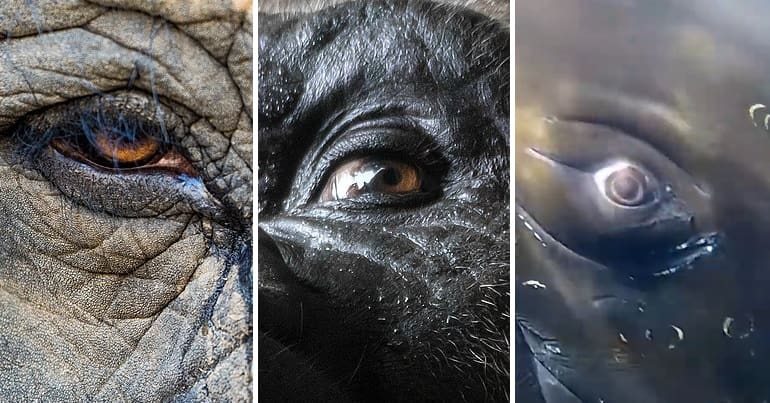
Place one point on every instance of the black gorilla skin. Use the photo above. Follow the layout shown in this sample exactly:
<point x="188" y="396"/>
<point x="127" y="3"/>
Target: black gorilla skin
<point x="669" y="85"/>
<point x="384" y="298"/>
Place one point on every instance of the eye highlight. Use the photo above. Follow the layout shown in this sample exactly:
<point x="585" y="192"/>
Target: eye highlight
<point x="626" y="184"/>
<point x="372" y="176"/>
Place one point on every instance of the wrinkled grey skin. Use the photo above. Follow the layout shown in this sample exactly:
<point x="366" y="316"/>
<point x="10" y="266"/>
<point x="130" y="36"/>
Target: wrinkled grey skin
<point x="668" y="84"/>
<point x="117" y="287"/>
<point x="384" y="298"/>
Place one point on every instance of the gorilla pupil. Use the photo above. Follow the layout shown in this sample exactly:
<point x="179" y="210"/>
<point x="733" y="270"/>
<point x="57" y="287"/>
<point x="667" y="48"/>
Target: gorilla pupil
<point x="390" y="176"/>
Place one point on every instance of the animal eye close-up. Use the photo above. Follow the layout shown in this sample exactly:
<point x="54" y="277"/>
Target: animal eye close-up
<point x="113" y="138"/>
<point x="372" y="176"/>
<point x="112" y="147"/>
<point x="126" y="201"/>
<point x="626" y="184"/>
<point x="641" y="197"/>
<point x="384" y="201"/>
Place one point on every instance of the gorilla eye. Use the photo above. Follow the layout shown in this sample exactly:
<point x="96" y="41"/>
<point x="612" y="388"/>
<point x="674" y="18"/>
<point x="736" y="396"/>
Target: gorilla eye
<point x="372" y="176"/>
<point x="626" y="185"/>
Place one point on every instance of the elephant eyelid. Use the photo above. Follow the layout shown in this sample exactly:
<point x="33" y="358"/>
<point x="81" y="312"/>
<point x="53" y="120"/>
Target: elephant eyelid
<point x="105" y="136"/>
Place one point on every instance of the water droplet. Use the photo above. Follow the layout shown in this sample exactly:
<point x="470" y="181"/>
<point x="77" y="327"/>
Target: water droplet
<point x="740" y="328"/>
<point x="678" y="337"/>
<point x="553" y="347"/>
<point x="675" y="336"/>
<point x="534" y="284"/>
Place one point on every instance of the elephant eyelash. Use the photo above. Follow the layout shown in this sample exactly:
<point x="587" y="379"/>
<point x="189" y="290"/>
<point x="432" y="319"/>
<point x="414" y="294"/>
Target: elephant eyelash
<point x="104" y="136"/>
<point x="160" y="181"/>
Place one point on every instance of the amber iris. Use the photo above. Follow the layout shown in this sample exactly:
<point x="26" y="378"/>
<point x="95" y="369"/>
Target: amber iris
<point x="113" y="147"/>
<point x="109" y="149"/>
<point x="372" y="176"/>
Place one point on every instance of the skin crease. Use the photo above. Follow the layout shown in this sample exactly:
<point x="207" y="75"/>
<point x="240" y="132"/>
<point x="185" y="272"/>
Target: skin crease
<point x="669" y="84"/>
<point x="383" y="298"/>
<point x="124" y="286"/>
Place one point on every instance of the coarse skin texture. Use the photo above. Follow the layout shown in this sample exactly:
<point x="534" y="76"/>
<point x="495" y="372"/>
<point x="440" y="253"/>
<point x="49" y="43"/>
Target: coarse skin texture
<point x="383" y="298"/>
<point x="673" y="86"/>
<point x="126" y="286"/>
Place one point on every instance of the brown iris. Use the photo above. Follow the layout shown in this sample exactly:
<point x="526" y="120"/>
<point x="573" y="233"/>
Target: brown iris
<point x="108" y="149"/>
<point x="371" y="175"/>
<point x="115" y="148"/>
<point x="121" y="150"/>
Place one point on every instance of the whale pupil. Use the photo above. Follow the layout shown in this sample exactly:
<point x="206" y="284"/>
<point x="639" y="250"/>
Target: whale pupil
<point x="627" y="187"/>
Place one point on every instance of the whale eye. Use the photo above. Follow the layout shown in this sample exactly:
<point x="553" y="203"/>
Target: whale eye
<point x="372" y="175"/>
<point x="627" y="185"/>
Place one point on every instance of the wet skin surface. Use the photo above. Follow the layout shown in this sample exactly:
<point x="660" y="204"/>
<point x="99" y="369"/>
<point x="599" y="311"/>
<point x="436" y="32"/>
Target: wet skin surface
<point x="393" y="289"/>
<point x="125" y="201"/>
<point x="660" y="299"/>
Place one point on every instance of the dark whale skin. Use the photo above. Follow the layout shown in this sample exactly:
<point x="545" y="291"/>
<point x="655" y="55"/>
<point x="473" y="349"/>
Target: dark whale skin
<point x="668" y="85"/>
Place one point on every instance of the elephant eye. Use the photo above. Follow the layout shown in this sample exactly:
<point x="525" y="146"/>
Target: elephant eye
<point x="626" y="185"/>
<point x="372" y="176"/>
<point x="111" y="148"/>
<point x="119" y="143"/>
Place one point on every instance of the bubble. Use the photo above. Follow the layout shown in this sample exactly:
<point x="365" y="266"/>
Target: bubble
<point x="550" y="119"/>
<point x="534" y="284"/>
<point x="553" y="348"/>
<point x="671" y="336"/>
<point x="679" y="333"/>
<point x="738" y="328"/>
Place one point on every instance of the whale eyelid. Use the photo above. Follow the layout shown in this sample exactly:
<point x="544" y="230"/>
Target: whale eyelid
<point x="535" y="153"/>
